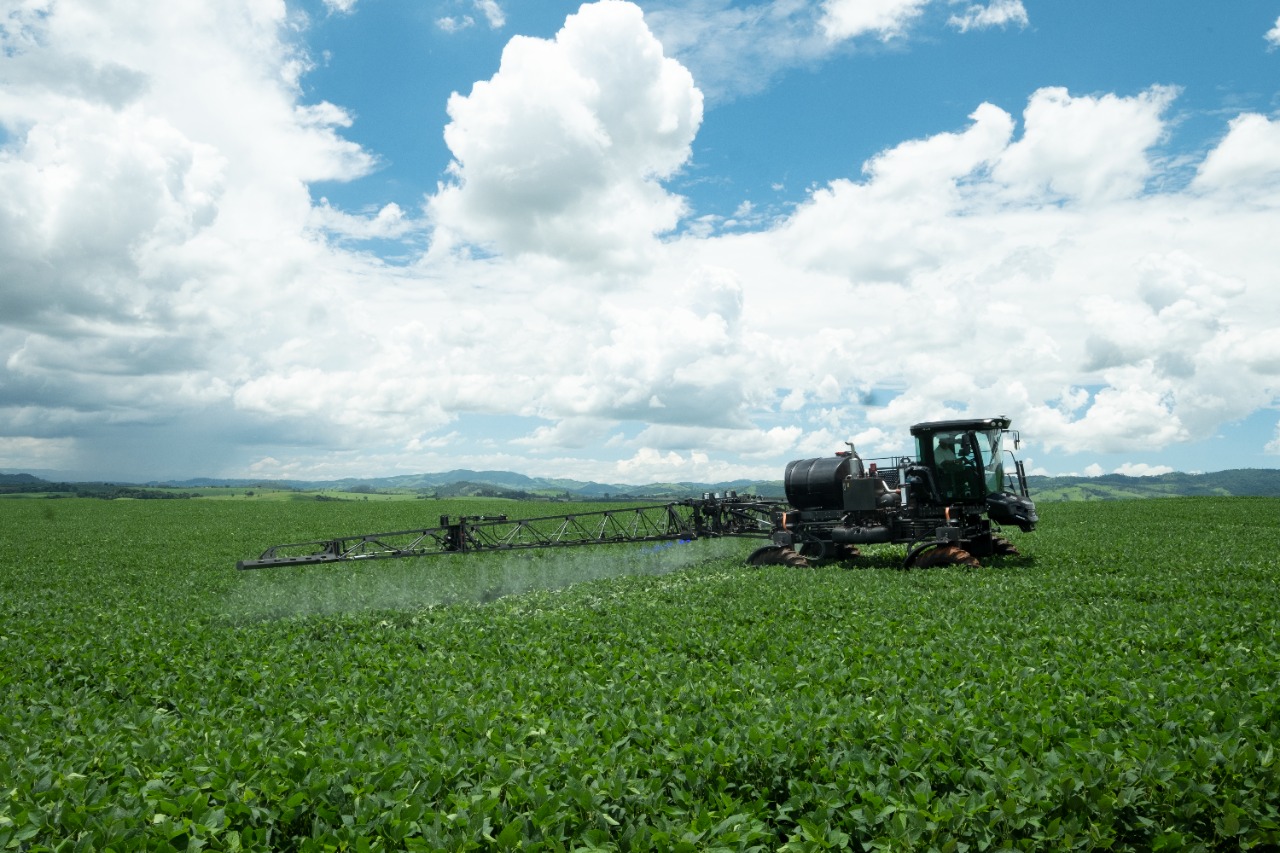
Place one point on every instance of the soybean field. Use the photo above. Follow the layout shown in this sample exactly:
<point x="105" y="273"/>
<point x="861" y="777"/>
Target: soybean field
<point x="1114" y="687"/>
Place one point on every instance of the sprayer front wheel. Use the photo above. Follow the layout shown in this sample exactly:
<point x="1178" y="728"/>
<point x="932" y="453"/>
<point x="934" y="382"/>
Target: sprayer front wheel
<point x="776" y="555"/>
<point x="846" y="552"/>
<point x="1002" y="547"/>
<point x="935" y="556"/>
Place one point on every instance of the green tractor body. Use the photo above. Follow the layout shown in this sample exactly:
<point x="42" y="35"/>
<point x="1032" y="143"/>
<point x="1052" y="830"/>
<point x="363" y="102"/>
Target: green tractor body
<point x="947" y="503"/>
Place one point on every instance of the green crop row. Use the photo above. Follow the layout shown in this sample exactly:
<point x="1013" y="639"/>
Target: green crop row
<point x="1114" y="687"/>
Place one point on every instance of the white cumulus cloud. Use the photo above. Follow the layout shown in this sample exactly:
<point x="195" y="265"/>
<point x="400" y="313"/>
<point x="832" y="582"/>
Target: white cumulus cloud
<point x="150" y="208"/>
<point x="562" y="152"/>
<point x="997" y="13"/>
<point x="387" y="223"/>
<point x="1142" y="469"/>
<point x="1247" y="160"/>
<point x="452" y="24"/>
<point x="1085" y="147"/>
<point x="175" y="296"/>
<point x="885" y="19"/>
<point x="1273" y="446"/>
<point x="492" y="12"/>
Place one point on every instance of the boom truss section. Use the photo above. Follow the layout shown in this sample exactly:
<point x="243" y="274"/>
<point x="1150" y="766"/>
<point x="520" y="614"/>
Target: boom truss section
<point x="692" y="518"/>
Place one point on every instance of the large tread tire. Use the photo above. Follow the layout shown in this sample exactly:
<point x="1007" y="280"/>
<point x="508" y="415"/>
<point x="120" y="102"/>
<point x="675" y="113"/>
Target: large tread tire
<point x="815" y="550"/>
<point x="776" y="555"/>
<point x="846" y="552"/>
<point x="1002" y="547"/>
<point x="944" y="555"/>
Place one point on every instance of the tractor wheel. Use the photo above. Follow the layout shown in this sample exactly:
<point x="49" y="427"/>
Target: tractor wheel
<point x="776" y="555"/>
<point x="820" y="551"/>
<point x="1002" y="547"/>
<point x="846" y="552"/>
<point x="935" y="556"/>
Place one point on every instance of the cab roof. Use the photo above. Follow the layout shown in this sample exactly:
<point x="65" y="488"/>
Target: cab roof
<point x="930" y="427"/>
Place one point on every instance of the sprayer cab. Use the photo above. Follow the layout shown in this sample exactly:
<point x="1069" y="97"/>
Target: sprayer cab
<point x="966" y="461"/>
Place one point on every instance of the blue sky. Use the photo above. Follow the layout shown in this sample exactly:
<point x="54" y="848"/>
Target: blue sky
<point x="393" y="66"/>
<point x="633" y="242"/>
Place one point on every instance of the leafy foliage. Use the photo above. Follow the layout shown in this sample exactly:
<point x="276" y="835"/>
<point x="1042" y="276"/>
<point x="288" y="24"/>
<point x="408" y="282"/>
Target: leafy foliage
<point x="1113" y="687"/>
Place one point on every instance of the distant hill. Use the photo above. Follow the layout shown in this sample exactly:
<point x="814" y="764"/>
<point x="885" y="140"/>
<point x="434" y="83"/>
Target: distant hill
<point x="1259" y="482"/>
<point x="465" y="482"/>
<point x="1262" y="482"/>
<point x="18" y="479"/>
<point x="17" y="484"/>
